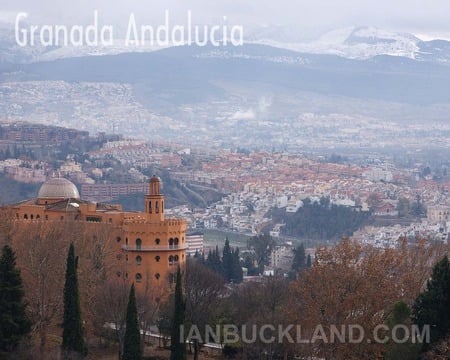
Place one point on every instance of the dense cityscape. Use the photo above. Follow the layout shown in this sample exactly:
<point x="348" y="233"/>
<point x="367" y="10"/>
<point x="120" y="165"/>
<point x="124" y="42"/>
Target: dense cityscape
<point x="281" y="197"/>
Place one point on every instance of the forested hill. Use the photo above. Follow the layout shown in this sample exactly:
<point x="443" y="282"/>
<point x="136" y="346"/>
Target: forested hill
<point x="321" y="220"/>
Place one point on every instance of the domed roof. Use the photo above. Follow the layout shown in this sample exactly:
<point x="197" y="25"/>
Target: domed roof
<point x="58" y="188"/>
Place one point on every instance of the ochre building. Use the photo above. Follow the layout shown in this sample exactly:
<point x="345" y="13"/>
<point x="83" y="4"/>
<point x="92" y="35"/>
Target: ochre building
<point x="151" y="246"/>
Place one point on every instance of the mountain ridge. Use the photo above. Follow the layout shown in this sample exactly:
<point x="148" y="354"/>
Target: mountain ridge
<point x="358" y="43"/>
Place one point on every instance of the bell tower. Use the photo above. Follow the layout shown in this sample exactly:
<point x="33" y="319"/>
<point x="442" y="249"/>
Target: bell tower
<point x="154" y="201"/>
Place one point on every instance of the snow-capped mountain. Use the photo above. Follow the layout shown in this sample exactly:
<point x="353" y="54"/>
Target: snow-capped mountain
<point x="354" y="43"/>
<point x="358" y="43"/>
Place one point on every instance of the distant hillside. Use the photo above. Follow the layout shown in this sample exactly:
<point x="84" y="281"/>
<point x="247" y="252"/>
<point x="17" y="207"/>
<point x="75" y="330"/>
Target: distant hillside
<point x="176" y="194"/>
<point x="189" y="74"/>
<point x="12" y="191"/>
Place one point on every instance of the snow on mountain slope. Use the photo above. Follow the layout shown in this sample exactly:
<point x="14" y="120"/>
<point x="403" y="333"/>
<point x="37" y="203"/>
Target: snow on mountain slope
<point x="354" y="43"/>
<point x="359" y="43"/>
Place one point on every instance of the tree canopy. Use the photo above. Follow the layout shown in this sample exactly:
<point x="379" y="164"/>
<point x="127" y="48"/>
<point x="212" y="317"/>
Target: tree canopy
<point x="432" y="307"/>
<point x="14" y="322"/>
<point x="73" y="341"/>
<point x="132" y="343"/>
<point x="177" y="345"/>
<point x="322" y="220"/>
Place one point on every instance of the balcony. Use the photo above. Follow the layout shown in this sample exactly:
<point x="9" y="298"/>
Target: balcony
<point x="154" y="248"/>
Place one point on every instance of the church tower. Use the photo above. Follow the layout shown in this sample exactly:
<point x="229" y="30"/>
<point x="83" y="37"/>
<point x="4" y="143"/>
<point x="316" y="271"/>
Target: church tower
<point x="154" y="201"/>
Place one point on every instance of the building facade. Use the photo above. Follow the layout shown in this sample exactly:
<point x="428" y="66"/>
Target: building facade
<point x="148" y="246"/>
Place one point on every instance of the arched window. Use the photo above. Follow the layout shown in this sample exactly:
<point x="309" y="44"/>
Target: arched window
<point x="157" y="276"/>
<point x="25" y="216"/>
<point x="138" y="260"/>
<point x="31" y="217"/>
<point x="157" y="258"/>
<point x="175" y="259"/>
<point x="138" y="244"/>
<point x="175" y="242"/>
<point x="138" y="277"/>
<point x="157" y="241"/>
<point x="38" y="216"/>
<point x="170" y="243"/>
<point x="118" y="239"/>
<point x="171" y="260"/>
<point x="126" y="241"/>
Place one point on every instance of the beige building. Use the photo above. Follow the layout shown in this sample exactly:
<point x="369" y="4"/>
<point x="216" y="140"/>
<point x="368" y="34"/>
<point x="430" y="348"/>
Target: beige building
<point x="438" y="213"/>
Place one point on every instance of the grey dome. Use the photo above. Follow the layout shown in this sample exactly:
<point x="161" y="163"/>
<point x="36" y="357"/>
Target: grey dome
<point x="58" y="188"/>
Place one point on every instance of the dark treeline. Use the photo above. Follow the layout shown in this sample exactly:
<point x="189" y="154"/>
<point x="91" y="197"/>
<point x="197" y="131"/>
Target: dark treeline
<point x="322" y="220"/>
<point x="228" y="265"/>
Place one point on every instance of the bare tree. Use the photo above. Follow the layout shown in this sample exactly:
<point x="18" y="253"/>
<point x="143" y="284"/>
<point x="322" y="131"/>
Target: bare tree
<point x="41" y="257"/>
<point x="355" y="284"/>
<point x="203" y="288"/>
<point x="110" y="307"/>
<point x="255" y="305"/>
<point x="148" y="304"/>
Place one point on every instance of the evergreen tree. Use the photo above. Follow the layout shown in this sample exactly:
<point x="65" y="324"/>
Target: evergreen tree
<point x="132" y="343"/>
<point x="214" y="262"/>
<point x="262" y="245"/>
<point x="299" y="262"/>
<point x="432" y="306"/>
<point x="238" y="275"/>
<point x="72" y="342"/>
<point x="408" y="350"/>
<point x="248" y="263"/>
<point x="177" y="345"/>
<point x="14" y="323"/>
<point x="308" y="261"/>
<point x="227" y="262"/>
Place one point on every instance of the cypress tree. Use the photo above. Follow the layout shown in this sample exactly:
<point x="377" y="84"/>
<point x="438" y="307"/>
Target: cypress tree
<point x="177" y="345"/>
<point x="432" y="306"/>
<point x="72" y="342"/>
<point x="217" y="261"/>
<point x="227" y="262"/>
<point x="308" y="261"/>
<point x="299" y="262"/>
<point x="132" y="343"/>
<point x="238" y="275"/>
<point x="14" y="323"/>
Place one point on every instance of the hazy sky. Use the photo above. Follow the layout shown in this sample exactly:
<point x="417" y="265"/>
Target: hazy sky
<point x="308" y="17"/>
